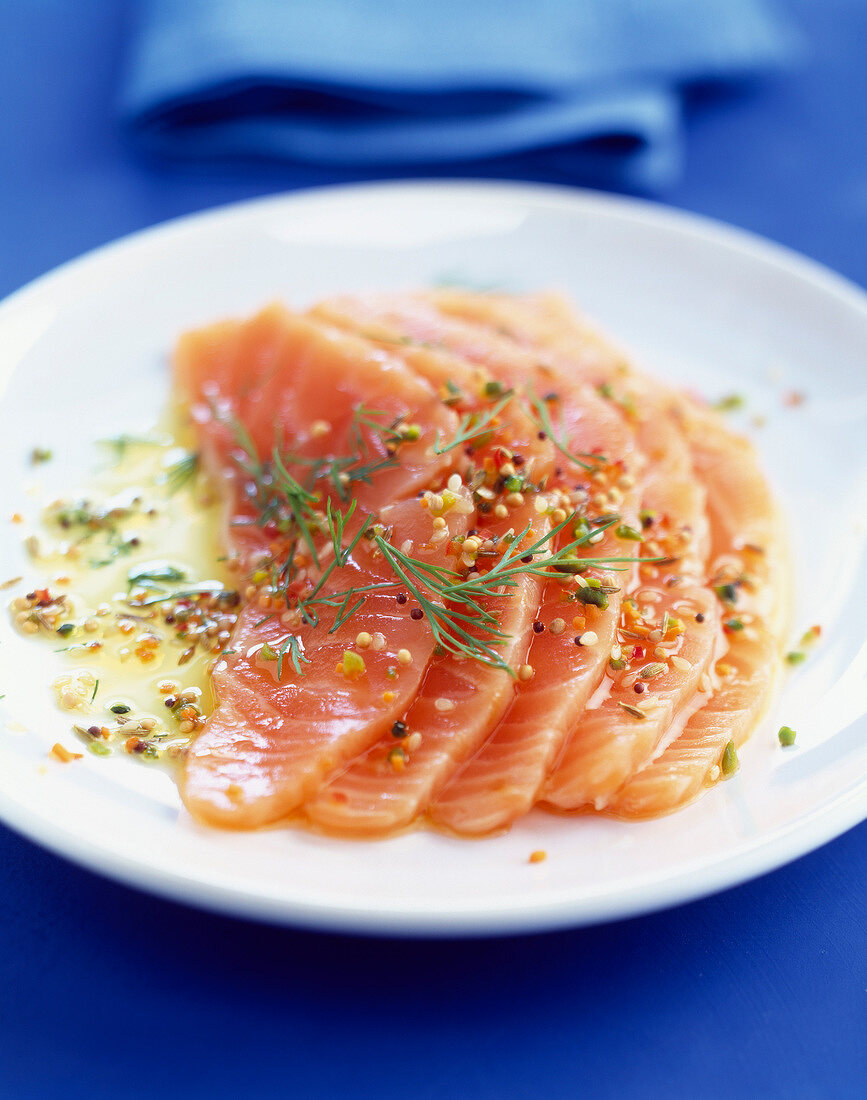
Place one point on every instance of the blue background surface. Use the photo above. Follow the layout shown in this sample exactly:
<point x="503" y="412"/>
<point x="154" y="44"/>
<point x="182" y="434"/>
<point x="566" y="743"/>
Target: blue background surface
<point x="107" y="992"/>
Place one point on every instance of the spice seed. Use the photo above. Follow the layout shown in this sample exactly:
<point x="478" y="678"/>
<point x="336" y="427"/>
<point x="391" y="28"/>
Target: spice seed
<point x="729" y="763"/>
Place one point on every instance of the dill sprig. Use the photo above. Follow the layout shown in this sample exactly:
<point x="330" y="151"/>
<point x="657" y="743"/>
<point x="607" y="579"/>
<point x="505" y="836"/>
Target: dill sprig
<point x="512" y="563"/>
<point x="361" y="464"/>
<point x="206" y="589"/>
<point x="446" y="622"/>
<point x="180" y="473"/>
<point x="458" y="607"/>
<point x="474" y="426"/>
<point x="300" y="502"/>
<point x="151" y="576"/>
<point x="538" y="411"/>
<point x="275" y="494"/>
<point x="293" y="646"/>
<point x="337" y="523"/>
<point x="453" y="604"/>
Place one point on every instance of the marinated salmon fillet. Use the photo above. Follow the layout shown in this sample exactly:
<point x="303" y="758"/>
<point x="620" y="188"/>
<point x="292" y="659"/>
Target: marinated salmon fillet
<point x="610" y="741"/>
<point x="750" y="568"/>
<point x="748" y="538"/>
<point x="672" y="650"/>
<point x="270" y="741"/>
<point x="627" y="730"/>
<point x="565" y="675"/>
<point x="281" y="380"/>
<point x="485" y="565"/>
<point x="275" y="735"/>
<point x="458" y="703"/>
<point x="503" y="778"/>
<point x="693" y="758"/>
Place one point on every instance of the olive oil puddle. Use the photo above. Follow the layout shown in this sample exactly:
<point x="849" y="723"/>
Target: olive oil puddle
<point x="137" y="595"/>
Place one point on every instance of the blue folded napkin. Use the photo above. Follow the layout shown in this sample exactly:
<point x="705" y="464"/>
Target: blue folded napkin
<point x="594" y="87"/>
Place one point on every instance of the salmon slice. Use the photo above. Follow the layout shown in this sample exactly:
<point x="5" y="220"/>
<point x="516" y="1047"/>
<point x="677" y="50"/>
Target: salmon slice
<point x="684" y="769"/>
<point x="671" y="625"/>
<point x="272" y="739"/>
<point x="502" y="780"/>
<point x="313" y="391"/>
<point x="459" y="702"/>
<point x="565" y="674"/>
<point x="626" y="730"/>
<point x="612" y="741"/>
<point x="676" y="503"/>
<point x="274" y="736"/>
<point x="438" y="344"/>
<point x="749" y="547"/>
<point x="748" y="544"/>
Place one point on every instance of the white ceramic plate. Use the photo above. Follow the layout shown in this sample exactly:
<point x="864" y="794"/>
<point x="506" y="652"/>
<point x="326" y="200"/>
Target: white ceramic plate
<point x="86" y="348"/>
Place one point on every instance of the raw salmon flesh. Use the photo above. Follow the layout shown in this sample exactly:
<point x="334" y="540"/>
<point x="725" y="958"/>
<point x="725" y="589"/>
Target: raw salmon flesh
<point x="486" y="565"/>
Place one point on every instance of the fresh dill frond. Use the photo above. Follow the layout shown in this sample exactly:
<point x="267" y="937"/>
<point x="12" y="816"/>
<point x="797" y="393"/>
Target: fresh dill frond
<point x="215" y="589"/>
<point x="300" y="501"/>
<point x="180" y="473"/>
<point x="474" y="426"/>
<point x="150" y="576"/>
<point x="424" y="580"/>
<point x="538" y="411"/>
<point x="292" y="645"/>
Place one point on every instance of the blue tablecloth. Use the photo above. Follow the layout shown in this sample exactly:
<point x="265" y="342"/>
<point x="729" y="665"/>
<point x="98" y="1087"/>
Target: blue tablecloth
<point x="105" y="992"/>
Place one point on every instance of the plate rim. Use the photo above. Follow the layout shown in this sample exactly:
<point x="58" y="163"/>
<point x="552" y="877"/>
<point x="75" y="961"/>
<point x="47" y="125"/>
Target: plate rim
<point x="529" y="914"/>
<point x="761" y="856"/>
